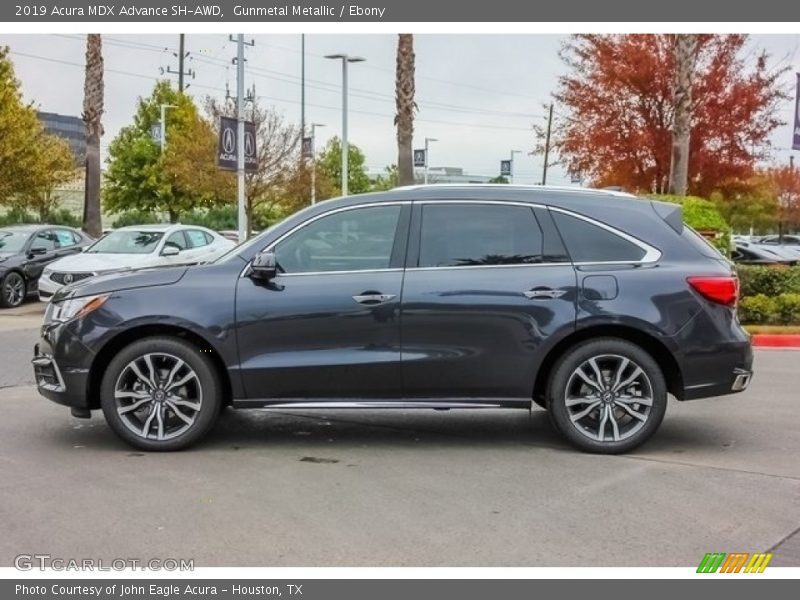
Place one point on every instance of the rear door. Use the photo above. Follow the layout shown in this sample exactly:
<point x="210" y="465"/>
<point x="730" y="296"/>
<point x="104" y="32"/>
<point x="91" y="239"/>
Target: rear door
<point x="487" y="284"/>
<point x="43" y="250"/>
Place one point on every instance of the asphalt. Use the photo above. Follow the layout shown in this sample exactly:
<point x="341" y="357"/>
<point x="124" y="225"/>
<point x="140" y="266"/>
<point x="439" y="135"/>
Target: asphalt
<point x="402" y="488"/>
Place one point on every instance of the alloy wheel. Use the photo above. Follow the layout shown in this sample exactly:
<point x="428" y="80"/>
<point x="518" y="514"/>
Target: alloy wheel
<point x="158" y="396"/>
<point x="13" y="289"/>
<point x="608" y="398"/>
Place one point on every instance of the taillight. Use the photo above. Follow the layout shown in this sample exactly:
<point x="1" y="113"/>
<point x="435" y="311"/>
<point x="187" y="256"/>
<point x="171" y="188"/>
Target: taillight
<point x="722" y="290"/>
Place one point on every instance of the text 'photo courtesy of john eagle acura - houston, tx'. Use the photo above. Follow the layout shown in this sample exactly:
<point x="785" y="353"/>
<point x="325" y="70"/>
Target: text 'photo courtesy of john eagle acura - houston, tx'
<point x="592" y="304"/>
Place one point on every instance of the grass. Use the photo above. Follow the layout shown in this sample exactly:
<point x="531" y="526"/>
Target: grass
<point x="773" y="329"/>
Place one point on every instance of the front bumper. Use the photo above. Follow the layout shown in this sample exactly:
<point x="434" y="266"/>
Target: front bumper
<point x="62" y="381"/>
<point x="47" y="288"/>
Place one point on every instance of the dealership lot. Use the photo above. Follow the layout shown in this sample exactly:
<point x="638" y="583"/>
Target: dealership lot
<point x="425" y="488"/>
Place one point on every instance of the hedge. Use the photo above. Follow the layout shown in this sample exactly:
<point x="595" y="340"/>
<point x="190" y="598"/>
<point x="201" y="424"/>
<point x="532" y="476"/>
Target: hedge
<point x="771" y="281"/>
<point x="783" y="309"/>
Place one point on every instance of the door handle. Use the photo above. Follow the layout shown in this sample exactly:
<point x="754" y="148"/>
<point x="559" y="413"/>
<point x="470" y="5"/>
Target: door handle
<point x="373" y="298"/>
<point x="544" y="294"/>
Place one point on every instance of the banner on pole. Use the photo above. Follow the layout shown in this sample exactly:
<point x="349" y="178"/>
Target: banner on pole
<point x="505" y="168"/>
<point x="419" y="157"/>
<point x="796" y="136"/>
<point x="228" y="145"/>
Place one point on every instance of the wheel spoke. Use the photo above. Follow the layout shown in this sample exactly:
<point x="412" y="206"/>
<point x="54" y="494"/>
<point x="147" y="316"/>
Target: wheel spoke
<point x="178" y="401"/>
<point x="585" y="411"/>
<point x="643" y="400"/>
<point x="148" y="360"/>
<point x="138" y="372"/>
<point x="149" y="421"/>
<point x="596" y="385"/>
<point x="182" y="381"/>
<point x="623" y="364"/>
<point x="614" y="424"/>
<point x="160" y="421"/>
<point x="131" y="407"/>
<point x="633" y="413"/>
<point x="629" y="380"/>
<point x="601" y="428"/>
<point x="179" y="414"/>
<point x="178" y="364"/>
<point x="135" y="395"/>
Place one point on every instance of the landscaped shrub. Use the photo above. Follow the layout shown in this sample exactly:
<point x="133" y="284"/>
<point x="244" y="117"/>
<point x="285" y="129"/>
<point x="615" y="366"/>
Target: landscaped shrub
<point x="787" y="309"/>
<point x="758" y="309"/>
<point x="772" y="280"/>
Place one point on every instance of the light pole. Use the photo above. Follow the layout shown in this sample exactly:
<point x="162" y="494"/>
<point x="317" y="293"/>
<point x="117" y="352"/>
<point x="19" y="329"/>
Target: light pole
<point x="346" y="59"/>
<point x="314" y="161"/>
<point x="163" y="128"/>
<point x="511" y="177"/>
<point x="427" y="140"/>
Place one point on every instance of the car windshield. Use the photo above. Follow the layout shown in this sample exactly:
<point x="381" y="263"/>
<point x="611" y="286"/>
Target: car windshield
<point x="127" y="242"/>
<point x="12" y="241"/>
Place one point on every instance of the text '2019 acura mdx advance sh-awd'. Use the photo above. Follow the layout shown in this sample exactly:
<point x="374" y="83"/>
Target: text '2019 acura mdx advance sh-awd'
<point x="592" y="304"/>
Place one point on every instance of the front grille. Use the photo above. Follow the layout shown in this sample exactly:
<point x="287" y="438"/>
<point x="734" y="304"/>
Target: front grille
<point x="62" y="278"/>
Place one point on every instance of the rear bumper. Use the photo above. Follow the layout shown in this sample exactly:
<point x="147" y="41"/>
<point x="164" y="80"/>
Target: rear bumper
<point x="728" y="371"/>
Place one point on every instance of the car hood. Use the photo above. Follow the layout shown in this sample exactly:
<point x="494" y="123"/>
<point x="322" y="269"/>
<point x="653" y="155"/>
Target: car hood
<point x="100" y="262"/>
<point x="115" y="282"/>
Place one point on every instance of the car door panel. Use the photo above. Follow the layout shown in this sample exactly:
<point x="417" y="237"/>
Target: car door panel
<point x="328" y="326"/>
<point x="477" y="331"/>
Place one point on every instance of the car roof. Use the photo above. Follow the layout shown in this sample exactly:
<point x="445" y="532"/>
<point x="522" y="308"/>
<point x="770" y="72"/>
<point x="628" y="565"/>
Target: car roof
<point x="25" y="228"/>
<point x="160" y="227"/>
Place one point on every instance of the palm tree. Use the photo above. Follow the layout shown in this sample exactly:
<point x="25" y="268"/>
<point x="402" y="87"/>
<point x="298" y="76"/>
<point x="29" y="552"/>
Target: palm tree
<point x="685" y="57"/>
<point x="92" y="115"/>
<point x="404" y="101"/>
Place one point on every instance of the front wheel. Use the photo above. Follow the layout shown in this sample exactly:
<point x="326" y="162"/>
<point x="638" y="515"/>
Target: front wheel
<point x="607" y="396"/>
<point x="12" y="290"/>
<point x="160" y="394"/>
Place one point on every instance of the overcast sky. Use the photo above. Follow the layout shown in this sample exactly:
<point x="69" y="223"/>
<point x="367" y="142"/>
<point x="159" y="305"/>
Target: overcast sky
<point x="478" y="94"/>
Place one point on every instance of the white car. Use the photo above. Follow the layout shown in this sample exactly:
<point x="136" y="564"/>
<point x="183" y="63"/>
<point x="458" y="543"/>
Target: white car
<point x="135" y="247"/>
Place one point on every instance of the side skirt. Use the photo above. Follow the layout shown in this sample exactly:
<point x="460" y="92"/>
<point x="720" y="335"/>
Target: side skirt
<point x="433" y="403"/>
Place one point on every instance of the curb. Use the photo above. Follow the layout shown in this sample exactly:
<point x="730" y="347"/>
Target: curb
<point x="776" y="340"/>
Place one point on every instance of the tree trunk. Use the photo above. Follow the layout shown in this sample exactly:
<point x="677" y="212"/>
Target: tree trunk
<point x="405" y="105"/>
<point x="173" y="216"/>
<point x="92" y="116"/>
<point x="685" y="54"/>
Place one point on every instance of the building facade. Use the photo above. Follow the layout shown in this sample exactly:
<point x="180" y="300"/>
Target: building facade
<point x="70" y="128"/>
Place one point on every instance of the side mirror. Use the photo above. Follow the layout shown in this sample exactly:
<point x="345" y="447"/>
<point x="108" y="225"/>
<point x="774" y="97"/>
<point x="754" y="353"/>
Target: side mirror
<point x="264" y="266"/>
<point x="170" y="251"/>
<point x="38" y="251"/>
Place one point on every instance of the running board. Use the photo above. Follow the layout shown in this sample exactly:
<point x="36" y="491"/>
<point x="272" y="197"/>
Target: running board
<point x="403" y="404"/>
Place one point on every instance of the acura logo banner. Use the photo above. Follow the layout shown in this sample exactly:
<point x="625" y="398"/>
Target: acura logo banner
<point x="796" y="136"/>
<point x="228" y="144"/>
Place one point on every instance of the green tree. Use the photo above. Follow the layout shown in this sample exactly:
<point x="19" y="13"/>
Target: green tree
<point x="53" y="165"/>
<point x="330" y="164"/>
<point x="20" y="130"/>
<point x="142" y="177"/>
<point x="387" y="180"/>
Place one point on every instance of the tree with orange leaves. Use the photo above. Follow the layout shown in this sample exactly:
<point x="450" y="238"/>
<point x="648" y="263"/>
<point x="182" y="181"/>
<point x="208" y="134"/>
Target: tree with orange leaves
<point x="619" y="110"/>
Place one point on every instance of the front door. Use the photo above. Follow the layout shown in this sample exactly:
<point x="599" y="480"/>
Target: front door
<point x="327" y="326"/>
<point x="487" y="284"/>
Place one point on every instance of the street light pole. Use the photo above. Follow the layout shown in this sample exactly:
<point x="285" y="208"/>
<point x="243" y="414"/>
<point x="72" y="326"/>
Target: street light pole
<point x="314" y="161"/>
<point x="163" y="128"/>
<point x="346" y="59"/>
<point x="511" y="176"/>
<point x="427" y="140"/>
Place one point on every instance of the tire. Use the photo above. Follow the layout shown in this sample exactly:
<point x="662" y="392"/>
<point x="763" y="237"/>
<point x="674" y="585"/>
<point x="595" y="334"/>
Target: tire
<point x="13" y="290"/>
<point x="164" y="417"/>
<point x="609" y="413"/>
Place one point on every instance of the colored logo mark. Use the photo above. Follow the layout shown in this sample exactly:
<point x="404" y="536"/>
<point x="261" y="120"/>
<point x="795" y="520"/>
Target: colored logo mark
<point x="737" y="562"/>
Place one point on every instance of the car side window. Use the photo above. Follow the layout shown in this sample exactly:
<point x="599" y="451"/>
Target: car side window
<point x="458" y="235"/>
<point x="586" y="242"/>
<point x="176" y="240"/>
<point x="197" y="238"/>
<point x="64" y="238"/>
<point x="44" y="239"/>
<point x="351" y="240"/>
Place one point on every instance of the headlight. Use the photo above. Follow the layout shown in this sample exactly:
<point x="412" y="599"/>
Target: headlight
<point x="74" y="308"/>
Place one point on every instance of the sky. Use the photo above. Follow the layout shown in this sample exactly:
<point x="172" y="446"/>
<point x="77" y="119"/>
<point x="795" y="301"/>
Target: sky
<point x="479" y="95"/>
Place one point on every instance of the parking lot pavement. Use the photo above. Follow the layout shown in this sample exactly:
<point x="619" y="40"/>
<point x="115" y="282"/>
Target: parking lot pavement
<point x="372" y="488"/>
<point x="19" y="331"/>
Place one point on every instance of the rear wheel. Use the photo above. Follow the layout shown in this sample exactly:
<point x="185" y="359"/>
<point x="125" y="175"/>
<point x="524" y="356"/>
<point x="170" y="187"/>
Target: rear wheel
<point x="607" y="396"/>
<point x="12" y="290"/>
<point x="161" y="394"/>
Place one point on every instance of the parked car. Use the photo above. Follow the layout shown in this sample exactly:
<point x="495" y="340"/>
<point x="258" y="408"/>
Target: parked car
<point x="135" y="247"/>
<point x="595" y="305"/>
<point x="751" y="253"/>
<point x="25" y="250"/>
<point x="786" y="240"/>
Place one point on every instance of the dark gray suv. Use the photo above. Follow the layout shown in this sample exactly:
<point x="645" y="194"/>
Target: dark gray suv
<point x="594" y="305"/>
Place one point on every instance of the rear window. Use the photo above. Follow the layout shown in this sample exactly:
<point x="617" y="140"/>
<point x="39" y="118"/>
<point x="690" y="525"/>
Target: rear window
<point x="589" y="243"/>
<point x="699" y="243"/>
